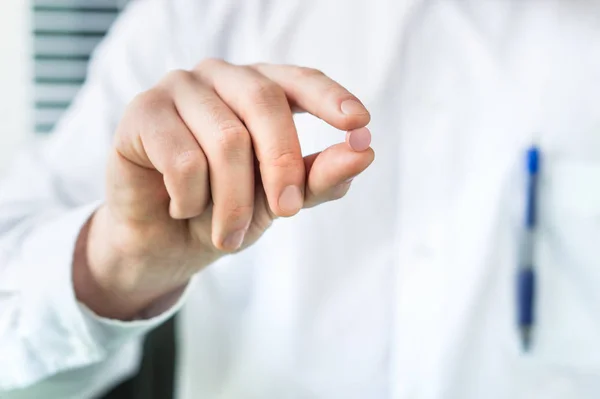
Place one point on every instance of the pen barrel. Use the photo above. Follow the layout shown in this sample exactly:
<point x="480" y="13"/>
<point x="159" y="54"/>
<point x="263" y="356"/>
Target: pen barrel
<point x="531" y="206"/>
<point x="533" y="169"/>
<point x="525" y="296"/>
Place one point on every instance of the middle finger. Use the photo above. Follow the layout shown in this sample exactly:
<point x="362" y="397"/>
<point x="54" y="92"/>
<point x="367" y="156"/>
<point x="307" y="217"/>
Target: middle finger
<point x="262" y="105"/>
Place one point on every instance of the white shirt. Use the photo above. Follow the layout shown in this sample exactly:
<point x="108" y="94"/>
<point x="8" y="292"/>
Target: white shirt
<point x="405" y="288"/>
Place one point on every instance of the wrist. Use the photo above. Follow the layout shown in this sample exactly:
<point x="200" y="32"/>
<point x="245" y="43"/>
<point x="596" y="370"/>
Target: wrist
<point x="110" y="282"/>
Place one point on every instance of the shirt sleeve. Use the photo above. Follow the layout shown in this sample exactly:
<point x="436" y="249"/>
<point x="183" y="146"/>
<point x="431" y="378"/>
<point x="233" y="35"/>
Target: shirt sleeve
<point x="46" y="198"/>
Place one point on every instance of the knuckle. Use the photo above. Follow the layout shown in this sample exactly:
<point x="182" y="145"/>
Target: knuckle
<point x="176" y="76"/>
<point x="208" y="63"/>
<point x="264" y="92"/>
<point x="306" y="72"/>
<point x="189" y="163"/>
<point x="237" y="213"/>
<point x="232" y="135"/>
<point x="258" y="66"/>
<point x="334" y="90"/>
<point x="285" y="159"/>
<point x="149" y="101"/>
<point x="335" y="194"/>
<point x="143" y="116"/>
<point x="338" y="192"/>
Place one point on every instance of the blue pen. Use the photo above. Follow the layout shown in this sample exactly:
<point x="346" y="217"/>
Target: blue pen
<point x="526" y="274"/>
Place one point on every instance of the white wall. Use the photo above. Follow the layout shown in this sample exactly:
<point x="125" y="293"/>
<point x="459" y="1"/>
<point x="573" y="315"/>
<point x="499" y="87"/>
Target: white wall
<point x="15" y="78"/>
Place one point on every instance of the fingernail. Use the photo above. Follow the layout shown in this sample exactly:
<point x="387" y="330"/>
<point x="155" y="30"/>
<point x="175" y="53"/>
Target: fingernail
<point x="291" y="200"/>
<point x="234" y="240"/>
<point x="359" y="139"/>
<point x="353" y="107"/>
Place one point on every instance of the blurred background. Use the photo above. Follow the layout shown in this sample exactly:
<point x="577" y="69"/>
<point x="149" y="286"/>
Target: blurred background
<point x="45" y="46"/>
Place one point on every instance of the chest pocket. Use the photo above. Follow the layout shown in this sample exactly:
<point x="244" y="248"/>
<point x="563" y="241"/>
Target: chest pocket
<point x="568" y="260"/>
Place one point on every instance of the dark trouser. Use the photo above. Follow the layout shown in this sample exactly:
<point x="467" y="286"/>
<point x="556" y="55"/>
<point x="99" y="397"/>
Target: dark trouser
<point x="155" y="380"/>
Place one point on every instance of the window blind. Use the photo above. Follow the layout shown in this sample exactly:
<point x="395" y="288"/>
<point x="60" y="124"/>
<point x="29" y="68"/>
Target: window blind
<point x="65" y="32"/>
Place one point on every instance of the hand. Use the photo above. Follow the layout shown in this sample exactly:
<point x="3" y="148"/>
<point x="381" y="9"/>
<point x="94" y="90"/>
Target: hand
<point x="202" y="164"/>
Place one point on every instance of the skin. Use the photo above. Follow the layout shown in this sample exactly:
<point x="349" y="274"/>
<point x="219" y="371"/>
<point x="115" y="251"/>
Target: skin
<point x="201" y="165"/>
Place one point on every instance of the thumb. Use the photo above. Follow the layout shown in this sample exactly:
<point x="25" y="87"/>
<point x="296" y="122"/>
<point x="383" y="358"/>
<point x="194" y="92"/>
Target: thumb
<point x="329" y="172"/>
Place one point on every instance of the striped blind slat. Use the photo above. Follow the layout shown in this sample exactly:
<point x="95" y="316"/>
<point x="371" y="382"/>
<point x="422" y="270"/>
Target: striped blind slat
<point x="48" y="115"/>
<point x="61" y="93"/>
<point x="48" y="69"/>
<point x="64" y="47"/>
<point x="79" y="3"/>
<point x="65" y="32"/>
<point x="72" y="22"/>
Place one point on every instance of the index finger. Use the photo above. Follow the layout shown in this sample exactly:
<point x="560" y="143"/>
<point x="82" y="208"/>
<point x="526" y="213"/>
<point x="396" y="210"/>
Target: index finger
<point x="316" y="93"/>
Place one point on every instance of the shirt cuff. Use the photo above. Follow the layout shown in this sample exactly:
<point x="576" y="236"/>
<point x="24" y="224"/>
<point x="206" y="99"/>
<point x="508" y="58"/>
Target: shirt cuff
<point x="61" y="332"/>
<point x="109" y="333"/>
